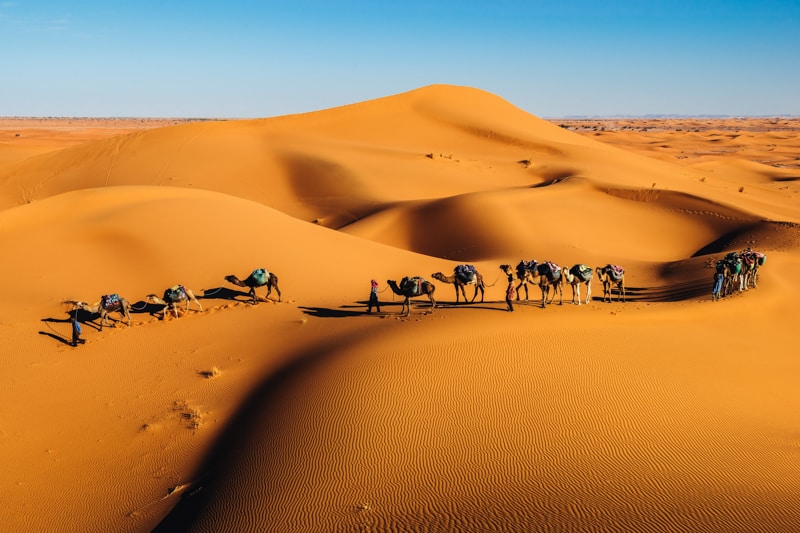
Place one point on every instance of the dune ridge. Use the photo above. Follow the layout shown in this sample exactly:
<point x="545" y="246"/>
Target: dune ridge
<point x="665" y="412"/>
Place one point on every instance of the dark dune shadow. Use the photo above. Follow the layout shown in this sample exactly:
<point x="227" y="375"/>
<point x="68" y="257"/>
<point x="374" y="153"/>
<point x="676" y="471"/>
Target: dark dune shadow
<point x="239" y="433"/>
<point x="725" y="242"/>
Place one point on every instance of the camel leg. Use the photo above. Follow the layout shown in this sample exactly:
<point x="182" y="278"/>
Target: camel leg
<point x="476" y="293"/>
<point x="576" y="289"/>
<point x="433" y="301"/>
<point x="588" y="292"/>
<point x="522" y="284"/>
<point x="194" y="299"/>
<point x="272" y="283"/>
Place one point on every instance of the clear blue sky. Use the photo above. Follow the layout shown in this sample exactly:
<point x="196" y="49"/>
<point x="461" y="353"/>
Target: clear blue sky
<point x="556" y="58"/>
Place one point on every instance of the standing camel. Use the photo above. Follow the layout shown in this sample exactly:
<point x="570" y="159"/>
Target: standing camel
<point x="609" y="276"/>
<point x="463" y="275"/>
<point x="257" y="278"/>
<point x="544" y="275"/>
<point x="410" y="288"/>
<point x="172" y="297"/>
<point x="576" y="276"/>
<point x="108" y="303"/>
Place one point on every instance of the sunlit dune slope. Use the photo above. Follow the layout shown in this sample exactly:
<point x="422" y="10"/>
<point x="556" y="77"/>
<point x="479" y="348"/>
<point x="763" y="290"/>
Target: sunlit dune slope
<point x="140" y="240"/>
<point x="339" y="165"/>
<point x="434" y="147"/>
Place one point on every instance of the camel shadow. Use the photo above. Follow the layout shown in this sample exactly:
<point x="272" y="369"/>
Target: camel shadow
<point x="224" y="293"/>
<point x="327" y="312"/>
<point x="143" y="306"/>
<point x="485" y="305"/>
<point x="347" y="311"/>
<point x="676" y="292"/>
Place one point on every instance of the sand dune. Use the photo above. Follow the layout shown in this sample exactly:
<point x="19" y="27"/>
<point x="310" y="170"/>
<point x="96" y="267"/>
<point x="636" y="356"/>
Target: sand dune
<point x="668" y="412"/>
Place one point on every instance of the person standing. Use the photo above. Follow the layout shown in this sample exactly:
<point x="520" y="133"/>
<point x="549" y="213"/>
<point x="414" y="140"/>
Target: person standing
<point x="510" y="293"/>
<point x="76" y="329"/>
<point x="715" y="291"/>
<point x="373" y="297"/>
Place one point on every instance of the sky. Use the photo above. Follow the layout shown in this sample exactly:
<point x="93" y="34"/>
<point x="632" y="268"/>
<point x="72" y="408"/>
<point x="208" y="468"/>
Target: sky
<point x="248" y="59"/>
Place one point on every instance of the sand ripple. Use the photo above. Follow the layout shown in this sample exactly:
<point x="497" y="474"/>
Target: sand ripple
<point x="470" y="434"/>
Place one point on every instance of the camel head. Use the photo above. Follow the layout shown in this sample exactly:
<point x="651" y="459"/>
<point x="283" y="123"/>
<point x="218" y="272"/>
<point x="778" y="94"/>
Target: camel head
<point x="438" y="275"/>
<point x="506" y="269"/>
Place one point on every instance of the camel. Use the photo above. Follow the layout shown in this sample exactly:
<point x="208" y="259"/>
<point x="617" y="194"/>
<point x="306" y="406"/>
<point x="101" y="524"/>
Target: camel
<point x="463" y="275"/>
<point x="108" y="303"/>
<point x="576" y="276"/>
<point x="410" y="288"/>
<point x="609" y="276"/>
<point x="536" y="274"/>
<point x="734" y="275"/>
<point x="751" y="260"/>
<point x="172" y="297"/>
<point x="257" y="278"/>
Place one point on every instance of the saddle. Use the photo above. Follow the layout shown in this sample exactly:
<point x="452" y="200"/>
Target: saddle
<point x="582" y="272"/>
<point x="259" y="276"/>
<point x="466" y="273"/>
<point x="175" y="294"/>
<point x="526" y="266"/>
<point x="551" y="270"/>
<point x="110" y="302"/>
<point x="412" y="285"/>
<point x="615" y="272"/>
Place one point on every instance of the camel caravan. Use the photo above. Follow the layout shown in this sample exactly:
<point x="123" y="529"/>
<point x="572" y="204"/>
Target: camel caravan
<point x="173" y="296"/>
<point x="736" y="272"/>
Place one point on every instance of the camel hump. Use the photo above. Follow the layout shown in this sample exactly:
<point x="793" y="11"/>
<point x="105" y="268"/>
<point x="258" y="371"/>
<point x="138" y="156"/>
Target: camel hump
<point x="110" y="301"/>
<point x="259" y="276"/>
<point x="615" y="271"/>
<point x="412" y="284"/>
<point x="582" y="271"/>
<point x="174" y="293"/>
<point x="466" y="273"/>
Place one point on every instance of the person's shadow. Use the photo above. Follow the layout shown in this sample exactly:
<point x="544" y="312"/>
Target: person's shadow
<point x="83" y="317"/>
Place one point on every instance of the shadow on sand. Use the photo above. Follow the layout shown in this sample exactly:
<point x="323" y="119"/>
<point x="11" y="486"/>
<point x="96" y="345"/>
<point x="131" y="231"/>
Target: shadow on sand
<point x="360" y="308"/>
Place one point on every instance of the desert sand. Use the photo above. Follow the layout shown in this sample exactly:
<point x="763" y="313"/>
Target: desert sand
<point x="666" y="412"/>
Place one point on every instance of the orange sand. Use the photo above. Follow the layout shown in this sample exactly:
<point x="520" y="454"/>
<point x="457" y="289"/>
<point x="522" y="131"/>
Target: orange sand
<point x="668" y="412"/>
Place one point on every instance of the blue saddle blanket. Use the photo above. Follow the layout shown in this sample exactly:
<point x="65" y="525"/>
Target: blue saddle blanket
<point x="466" y="273"/>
